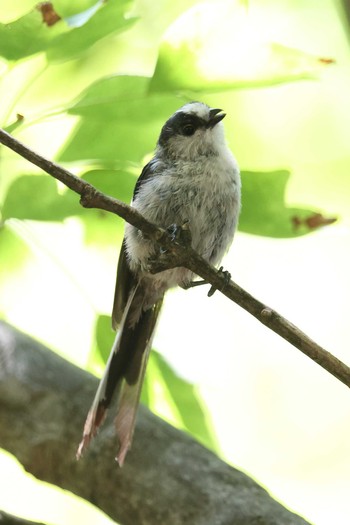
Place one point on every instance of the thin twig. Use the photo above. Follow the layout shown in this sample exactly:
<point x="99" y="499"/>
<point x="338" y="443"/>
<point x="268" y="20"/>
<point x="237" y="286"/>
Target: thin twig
<point x="181" y="255"/>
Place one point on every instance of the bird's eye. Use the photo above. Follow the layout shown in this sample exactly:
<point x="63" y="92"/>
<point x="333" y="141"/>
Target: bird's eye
<point x="188" y="130"/>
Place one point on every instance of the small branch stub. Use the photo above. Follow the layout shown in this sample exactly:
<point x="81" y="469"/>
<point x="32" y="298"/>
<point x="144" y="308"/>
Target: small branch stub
<point x="266" y="314"/>
<point x="88" y="196"/>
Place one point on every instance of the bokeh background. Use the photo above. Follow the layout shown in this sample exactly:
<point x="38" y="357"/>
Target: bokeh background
<point x="92" y="90"/>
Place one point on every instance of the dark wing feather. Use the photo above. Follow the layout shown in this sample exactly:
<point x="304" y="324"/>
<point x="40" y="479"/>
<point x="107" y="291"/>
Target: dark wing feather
<point x="146" y="173"/>
<point x="127" y="362"/>
<point x="126" y="280"/>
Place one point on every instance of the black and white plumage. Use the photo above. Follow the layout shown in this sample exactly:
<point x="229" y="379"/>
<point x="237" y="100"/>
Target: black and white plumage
<point x="192" y="177"/>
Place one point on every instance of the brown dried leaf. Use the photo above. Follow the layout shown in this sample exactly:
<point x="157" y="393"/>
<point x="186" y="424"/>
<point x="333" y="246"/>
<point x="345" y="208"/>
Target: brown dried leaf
<point x="50" y="17"/>
<point x="326" y="61"/>
<point x="316" y="220"/>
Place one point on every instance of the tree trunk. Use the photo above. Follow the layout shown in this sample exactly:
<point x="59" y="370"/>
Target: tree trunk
<point x="168" y="478"/>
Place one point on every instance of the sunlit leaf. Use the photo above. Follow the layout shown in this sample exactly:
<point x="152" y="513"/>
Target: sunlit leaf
<point x="79" y="19"/>
<point x="108" y="92"/>
<point x="14" y="252"/>
<point x="264" y="210"/>
<point x="14" y="125"/>
<point x="27" y="35"/>
<point x="101" y="227"/>
<point x="116" y="183"/>
<point x="68" y="9"/>
<point x="107" y="18"/>
<point x="120" y="121"/>
<point x="63" y="39"/>
<point x="44" y="202"/>
<point x="164" y="392"/>
<point x="176" y="400"/>
<point x="104" y="337"/>
<point x="36" y="197"/>
<point x="192" y="57"/>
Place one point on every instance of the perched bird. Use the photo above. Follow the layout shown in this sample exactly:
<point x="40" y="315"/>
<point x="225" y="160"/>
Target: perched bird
<point x="193" y="178"/>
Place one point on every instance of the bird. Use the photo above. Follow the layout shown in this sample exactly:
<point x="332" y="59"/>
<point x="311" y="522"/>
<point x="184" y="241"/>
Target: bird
<point x="193" y="179"/>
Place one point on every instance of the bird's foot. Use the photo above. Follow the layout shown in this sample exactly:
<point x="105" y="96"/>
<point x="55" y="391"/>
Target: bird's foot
<point x="180" y="234"/>
<point x="164" y="259"/>
<point x="227" y="277"/>
<point x="212" y="290"/>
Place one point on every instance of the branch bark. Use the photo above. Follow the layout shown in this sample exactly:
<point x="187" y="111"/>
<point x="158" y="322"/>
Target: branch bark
<point x="183" y="255"/>
<point x="168" y="478"/>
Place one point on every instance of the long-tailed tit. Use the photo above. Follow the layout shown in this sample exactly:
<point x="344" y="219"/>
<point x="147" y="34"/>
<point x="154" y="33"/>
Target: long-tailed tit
<point x="193" y="178"/>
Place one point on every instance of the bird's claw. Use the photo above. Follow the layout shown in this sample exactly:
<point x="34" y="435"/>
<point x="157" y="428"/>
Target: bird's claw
<point x="212" y="290"/>
<point x="227" y="277"/>
<point x="180" y="234"/>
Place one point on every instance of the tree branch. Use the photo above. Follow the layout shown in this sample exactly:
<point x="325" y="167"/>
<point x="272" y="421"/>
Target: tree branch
<point x="178" y="254"/>
<point x="168" y="478"/>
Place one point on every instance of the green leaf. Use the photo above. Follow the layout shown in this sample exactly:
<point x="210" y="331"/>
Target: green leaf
<point x="36" y="197"/>
<point x="103" y="228"/>
<point x="177" y="401"/>
<point x="178" y="69"/>
<point x="119" y="122"/>
<point x="66" y="38"/>
<point x="27" y="35"/>
<point x="108" y="92"/>
<point x="14" y="252"/>
<point x="264" y="210"/>
<point x="116" y="183"/>
<point x="164" y="392"/>
<point x="79" y="17"/>
<point x="104" y="338"/>
<point x="101" y="20"/>
<point x="192" y="57"/>
<point x="14" y="125"/>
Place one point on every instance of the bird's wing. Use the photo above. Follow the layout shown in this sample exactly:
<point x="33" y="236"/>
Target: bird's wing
<point x="125" y="369"/>
<point x="126" y="280"/>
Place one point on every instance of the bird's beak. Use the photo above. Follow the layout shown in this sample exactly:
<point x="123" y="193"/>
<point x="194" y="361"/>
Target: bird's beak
<point x="215" y="116"/>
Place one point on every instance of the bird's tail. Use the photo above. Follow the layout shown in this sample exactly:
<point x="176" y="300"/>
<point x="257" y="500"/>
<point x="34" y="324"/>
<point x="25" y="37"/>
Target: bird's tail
<point x="123" y="375"/>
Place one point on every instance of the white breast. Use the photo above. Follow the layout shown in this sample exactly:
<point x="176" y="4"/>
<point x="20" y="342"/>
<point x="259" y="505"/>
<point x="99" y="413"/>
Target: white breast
<point x="205" y="192"/>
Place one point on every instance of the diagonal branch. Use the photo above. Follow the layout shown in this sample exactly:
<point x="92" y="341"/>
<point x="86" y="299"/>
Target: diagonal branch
<point x="183" y="255"/>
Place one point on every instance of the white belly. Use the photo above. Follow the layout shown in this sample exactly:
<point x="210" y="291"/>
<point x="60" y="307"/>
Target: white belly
<point x="206" y="193"/>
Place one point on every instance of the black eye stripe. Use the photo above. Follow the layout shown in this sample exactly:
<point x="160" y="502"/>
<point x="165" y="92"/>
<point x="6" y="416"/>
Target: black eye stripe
<point x="176" y="124"/>
<point x="184" y="119"/>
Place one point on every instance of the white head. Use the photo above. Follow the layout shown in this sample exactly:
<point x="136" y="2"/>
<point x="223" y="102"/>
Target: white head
<point x="193" y="130"/>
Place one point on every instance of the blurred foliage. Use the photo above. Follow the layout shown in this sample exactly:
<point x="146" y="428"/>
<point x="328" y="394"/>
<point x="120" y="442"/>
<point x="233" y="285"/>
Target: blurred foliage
<point x="63" y="38"/>
<point x="92" y="87"/>
<point x="174" y="399"/>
